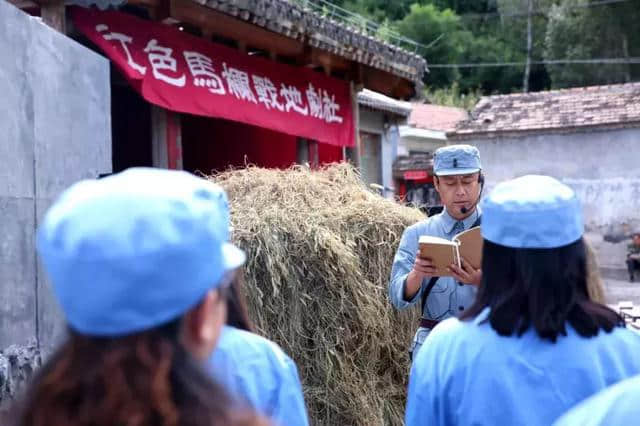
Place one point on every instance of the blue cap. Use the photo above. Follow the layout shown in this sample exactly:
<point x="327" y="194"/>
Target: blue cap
<point x="532" y="212"/>
<point x="456" y="160"/>
<point x="136" y="249"/>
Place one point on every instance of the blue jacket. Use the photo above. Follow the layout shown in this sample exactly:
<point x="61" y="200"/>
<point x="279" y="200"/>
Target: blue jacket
<point x="467" y="374"/>
<point x="447" y="298"/>
<point x="258" y="371"/>
<point x="618" y="405"/>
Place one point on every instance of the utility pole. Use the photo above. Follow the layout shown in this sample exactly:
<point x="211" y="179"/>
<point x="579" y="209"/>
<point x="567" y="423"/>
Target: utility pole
<point x="527" y="69"/>
<point x="625" y="53"/>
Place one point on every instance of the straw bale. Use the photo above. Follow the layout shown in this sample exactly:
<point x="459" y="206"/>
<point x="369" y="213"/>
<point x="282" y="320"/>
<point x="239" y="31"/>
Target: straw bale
<point x="595" y="286"/>
<point x="320" y="247"/>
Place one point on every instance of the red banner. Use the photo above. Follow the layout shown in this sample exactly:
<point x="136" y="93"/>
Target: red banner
<point x="183" y="73"/>
<point x="416" y="175"/>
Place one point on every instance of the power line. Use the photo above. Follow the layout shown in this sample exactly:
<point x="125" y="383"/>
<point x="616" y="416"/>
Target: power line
<point x="328" y="9"/>
<point x="595" y="61"/>
<point x="539" y="12"/>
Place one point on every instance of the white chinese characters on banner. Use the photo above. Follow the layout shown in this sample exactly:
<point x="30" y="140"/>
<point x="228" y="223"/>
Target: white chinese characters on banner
<point x="203" y="73"/>
<point x="124" y="41"/>
<point x="293" y="99"/>
<point x="330" y="108"/>
<point x="160" y="59"/>
<point x="267" y="93"/>
<point x="315" y="102"/>
<point x="238" y="83"/>
<point x="320" y="104"/>
<point x="323" y="106"/>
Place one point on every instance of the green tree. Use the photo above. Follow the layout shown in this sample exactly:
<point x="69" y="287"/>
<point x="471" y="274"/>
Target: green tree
<point x="467" y="6"/>
<point x="516" y="24"/>
<point x="587" y="33"/>
<point x="491" y="79"/>
<point x="442" y="32"/>
<point x="452" y="96"/>
<point x="378" y="10"/>
<point x="454" y="41"/>
<point x="472" y="31"/>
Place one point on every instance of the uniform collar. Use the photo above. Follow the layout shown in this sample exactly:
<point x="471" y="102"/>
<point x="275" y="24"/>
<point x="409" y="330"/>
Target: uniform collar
<point x="448" y="222"/>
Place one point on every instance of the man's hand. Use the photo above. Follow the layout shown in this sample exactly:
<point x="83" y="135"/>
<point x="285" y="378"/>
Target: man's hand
<point x="422" y="267"/>
<point x="467" y="274"/>
<point x="634" y="256"/>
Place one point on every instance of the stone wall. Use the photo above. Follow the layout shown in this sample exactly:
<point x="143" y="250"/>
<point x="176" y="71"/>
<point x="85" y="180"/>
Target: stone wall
<point x="17" y="364"/>
<point x="386" y="127"/>
<point x="55" y="116"/>
<point x="601" y="166"/>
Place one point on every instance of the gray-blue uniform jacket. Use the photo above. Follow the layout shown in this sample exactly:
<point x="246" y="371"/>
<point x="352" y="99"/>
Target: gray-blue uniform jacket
<point x="448" y="297"/>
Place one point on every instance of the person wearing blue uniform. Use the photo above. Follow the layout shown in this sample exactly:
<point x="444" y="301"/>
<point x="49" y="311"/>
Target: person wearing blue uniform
<point x="458" y="180"/>
<point x="256" y="370"/>
<point x="617" y="405"/>
<point x="533" y="344"/>
<point x="140" y="263"/>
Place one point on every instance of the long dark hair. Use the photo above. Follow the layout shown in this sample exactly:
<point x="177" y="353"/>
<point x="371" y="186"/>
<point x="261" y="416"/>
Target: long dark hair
<point x="237" y="311"/>
<point x="540" y="288"/>
<point x="143" y="379"/>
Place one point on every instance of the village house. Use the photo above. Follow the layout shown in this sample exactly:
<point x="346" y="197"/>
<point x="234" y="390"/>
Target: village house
<point x="588" y="137"/>
<point x="378" y="136"/>
<point x="425" y="131"/>
<point x="427" y="127"/>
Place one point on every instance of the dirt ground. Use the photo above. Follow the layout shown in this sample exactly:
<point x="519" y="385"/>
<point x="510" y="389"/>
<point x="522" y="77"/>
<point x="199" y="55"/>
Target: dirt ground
<point x="619" y="291"/>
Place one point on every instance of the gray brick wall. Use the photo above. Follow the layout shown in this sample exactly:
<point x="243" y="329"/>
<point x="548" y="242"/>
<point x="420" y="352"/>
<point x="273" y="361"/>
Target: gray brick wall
<point x="56" y="121"/>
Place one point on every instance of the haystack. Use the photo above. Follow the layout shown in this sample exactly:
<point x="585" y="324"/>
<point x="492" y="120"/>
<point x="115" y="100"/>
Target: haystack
<point x="320" y="248"/>
<point x="595" y="286"/>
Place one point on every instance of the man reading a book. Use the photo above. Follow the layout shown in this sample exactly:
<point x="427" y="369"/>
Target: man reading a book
<point x="458" y="180"/>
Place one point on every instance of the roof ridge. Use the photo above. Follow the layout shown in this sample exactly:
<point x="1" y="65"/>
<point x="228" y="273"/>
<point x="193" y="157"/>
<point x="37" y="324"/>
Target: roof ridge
<point x="293" y="20"/>
<point x="581" y="107"/>
<point x="592" y="88"/>
<point x="422" y="104"/>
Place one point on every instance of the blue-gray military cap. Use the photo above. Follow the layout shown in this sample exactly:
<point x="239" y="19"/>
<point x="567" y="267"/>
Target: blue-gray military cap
<point x="456" y="160"/>
<point x="532" y="211"/>
<point x="136" y="249"/>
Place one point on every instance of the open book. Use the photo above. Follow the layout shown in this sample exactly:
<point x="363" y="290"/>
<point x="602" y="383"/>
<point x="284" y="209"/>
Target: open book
<point x="443" y="253"/>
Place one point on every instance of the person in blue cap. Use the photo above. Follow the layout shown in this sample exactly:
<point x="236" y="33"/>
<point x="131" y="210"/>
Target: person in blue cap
<point x="617" y="405"/>
<point x="458" y="180"/>
<point x="533" y="344"/>
<point x="140" y="263"/>
<point x="255" y="369"/>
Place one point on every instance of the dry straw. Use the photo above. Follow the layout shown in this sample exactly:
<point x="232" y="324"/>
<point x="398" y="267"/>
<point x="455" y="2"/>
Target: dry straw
<point x="595" y="286"/>
<point x="320" y="248"/>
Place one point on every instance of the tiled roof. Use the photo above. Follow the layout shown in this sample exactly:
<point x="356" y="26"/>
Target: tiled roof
<point x="565" y="110"/>
<point x="413" y="162"/>
<point x="436" y="117"/>
<point x="294" y="21"/>
<point x="380" y="102"/>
